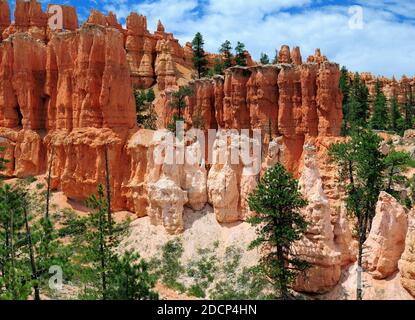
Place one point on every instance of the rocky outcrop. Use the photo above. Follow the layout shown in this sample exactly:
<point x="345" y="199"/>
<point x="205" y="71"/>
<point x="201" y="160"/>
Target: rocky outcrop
<point x="22" y="74"/>
<point x="402" y="89"/>
<point x="284" y="55"/>
<point x="79" y="162"/>
<point x="296" y="56"/>
<point x="165" y="69"/>
<point x="88" y="80"/>
<point x="318" y="246"/>
<point x="407" y="262"/>
<point x="25" y="151"/>
<point x="200" y="107"/>
<point x="140" y="48"/>
<point x="5" y="17"/>
<point x="234" y="175"/>
<point x="223" y="180"/>
<point x="317" y="58"/>
<point x="165" y="176"/>
<point x="28" y="17"/>
<point x="262" y="99"/>
<point x="69" y="15"/>
<point x="386" y="241"/>
<point x="70" y="94"/>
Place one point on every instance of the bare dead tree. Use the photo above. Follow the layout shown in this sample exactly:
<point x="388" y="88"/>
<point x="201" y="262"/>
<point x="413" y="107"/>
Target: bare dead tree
<point x="108" y="187"/>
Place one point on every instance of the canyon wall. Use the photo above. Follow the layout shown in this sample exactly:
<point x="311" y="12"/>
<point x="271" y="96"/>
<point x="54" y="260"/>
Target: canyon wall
<point x="66" y="99"/>
<point x="403" y="89"/>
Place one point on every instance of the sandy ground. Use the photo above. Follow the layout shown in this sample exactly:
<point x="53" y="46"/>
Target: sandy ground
<point x="202" y="231"/>
<point x="388" y="289"/>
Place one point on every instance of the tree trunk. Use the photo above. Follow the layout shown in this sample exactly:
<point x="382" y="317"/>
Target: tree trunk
<point x="282" y="278"/>
<point x="362" y="239"/>
<point x="49" y="183"/>
<point x="12" y="257"/>
<point x="31" y="254"/>
<point x="102" y="254"/>
<point x="107" y="177"/>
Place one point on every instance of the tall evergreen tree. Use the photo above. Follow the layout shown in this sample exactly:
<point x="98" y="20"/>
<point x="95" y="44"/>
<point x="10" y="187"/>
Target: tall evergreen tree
<point x="345" y="89"/>
<point x="264" y="59"/>
<point x="150" y="96"/>
<point x="178" y="103"/>
<point x="28" y="246"/>
<point x="409" y="111"/>
<point x="277" y="203"/>
<point x="276" y="57"/>
<point x="379" y="120"/>
<point x="358" y="104"/>
<point x="226" y="51"/>
<point x="179" y="100"/>
<point x="361" y="167"/>
<point x="240" y="56"/>
<point x="217" y="66"/>
<point x="104" y="274"/>
<point x="146" y="116"/>
<point x="199" y="57"/>
<point x="15" y="276"/>
<point x="396" y="163"/>
<point x="396" y="120"/>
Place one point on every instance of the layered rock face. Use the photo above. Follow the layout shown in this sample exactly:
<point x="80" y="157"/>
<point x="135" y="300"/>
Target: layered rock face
<point x="66" y="98"/>
<point x="318" y="247"/>
<point x="407" y="262"/>
<point x="402" y="89"/>
<point x="166" y="175"/>
<point x="386" y="241"/>
<point x="292" y="101"/>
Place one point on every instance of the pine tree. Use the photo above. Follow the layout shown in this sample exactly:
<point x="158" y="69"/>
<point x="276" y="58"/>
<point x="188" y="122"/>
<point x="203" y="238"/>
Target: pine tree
<point x="226" y="51"/>
<point x="130" y="279"/>
<point x="178" y="103"/>
<point x="409" y="111"/>
<point x="104" y="274"/>
<point x="397" y="162"/>
<point x="345" y="89"/>
<point x="379" y="120"/>
<point x="240" y="56"/>
<point x="276" y="57"/>
<point x="264" y="59"/>
<point x="146" y="116"/>
<point x="150" y="96"/>
<point x="361" y="167"/>
<point x="358" y="104"/>
<point x="140" y="104"/>
<point x="396" y="120"/>
<point x="28" y="246"/>
<point x="199" y="57"/>
<point x="2" y="160"/>
<point x="217" y="66"/>
<point x="15" y="284"/>
<point x="277" y="203"/>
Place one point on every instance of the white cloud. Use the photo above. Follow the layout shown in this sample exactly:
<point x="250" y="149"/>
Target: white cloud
<point x="384" y="46"/>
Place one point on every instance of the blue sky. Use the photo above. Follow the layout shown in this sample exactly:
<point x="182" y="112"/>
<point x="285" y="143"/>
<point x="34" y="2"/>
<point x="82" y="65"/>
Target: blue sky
<point x="382" y="42"/>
